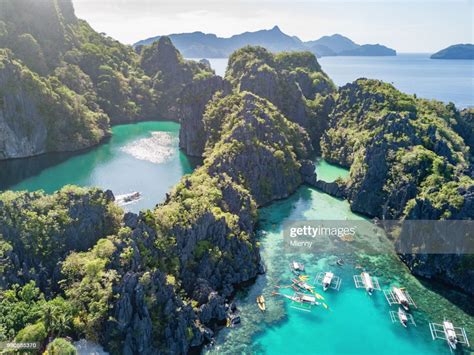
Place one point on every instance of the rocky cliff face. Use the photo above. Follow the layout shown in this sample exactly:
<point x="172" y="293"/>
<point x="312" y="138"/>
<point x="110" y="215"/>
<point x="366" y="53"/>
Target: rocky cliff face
<point x="171" y="74"/>
<point x="37" y="117"/>
<point x="392" y="142"/>
<point x="452" y="269"/>
<point x="193" y="100"/>
<point x="293" y="82"/>
<point x="261" y="149"/>
<point x="202" y="238"/>
<point x="465" y="128"/>
<point x="83" y="80"/>
<point x="407" y="162"/>
<point x="37" y="231"/>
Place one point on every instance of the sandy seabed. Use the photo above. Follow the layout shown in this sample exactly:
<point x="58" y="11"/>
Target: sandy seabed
<point x="157" y="149"/>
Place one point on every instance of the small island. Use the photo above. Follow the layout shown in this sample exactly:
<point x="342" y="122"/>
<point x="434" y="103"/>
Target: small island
<point x="457" y="51"/>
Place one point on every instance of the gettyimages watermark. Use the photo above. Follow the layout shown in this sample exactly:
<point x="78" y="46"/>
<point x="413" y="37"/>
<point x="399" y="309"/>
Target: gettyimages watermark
<point x="380" y="237"/>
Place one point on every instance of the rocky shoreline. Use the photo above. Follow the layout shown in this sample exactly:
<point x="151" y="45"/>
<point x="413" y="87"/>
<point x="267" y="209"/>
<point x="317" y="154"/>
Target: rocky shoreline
<point x="162" y="281"/>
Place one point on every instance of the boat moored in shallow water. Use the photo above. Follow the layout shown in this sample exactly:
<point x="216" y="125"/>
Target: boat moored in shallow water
<point x="296" y="267"/>
<point x="328" y="280"/>
<point x="302" y="285"/>
<point x="364" y="280"/>
<point x="398" y="295"/>
<point x="447" y="331"/>
<point x="300" y="299"/>
<point x="451" y="336"/>
<point x="402" y="317"/>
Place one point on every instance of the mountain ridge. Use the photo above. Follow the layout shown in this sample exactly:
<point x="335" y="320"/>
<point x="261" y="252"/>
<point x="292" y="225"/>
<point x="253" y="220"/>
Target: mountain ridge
<point x="199" y="44"/>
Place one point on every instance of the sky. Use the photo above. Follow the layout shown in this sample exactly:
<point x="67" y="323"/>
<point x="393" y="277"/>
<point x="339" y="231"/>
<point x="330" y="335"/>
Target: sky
<point x="405" y="25"/>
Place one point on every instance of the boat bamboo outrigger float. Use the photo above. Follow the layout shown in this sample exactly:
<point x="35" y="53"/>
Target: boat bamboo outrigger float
<point x="370" y="283"/>
<point x="447" y="331"/>
<point x="399" y="296"/>
<point x="328" y="280"/>
<point x="297" y="268"/>
<point x="402" y="317"/>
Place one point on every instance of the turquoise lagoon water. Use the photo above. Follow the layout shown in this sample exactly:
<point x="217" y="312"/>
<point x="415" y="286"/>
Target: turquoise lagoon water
<point x="329" y="172"/>
<point x="445" y="80"/>
<point x="142" y="157"/>
<point x="356" y="322"/>
<point x="145" y="157"/>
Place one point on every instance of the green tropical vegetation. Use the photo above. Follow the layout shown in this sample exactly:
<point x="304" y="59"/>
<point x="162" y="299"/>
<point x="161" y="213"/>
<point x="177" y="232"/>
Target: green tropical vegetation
<point x="406" y="149"/>
<point x="73" y="265"/>
<point x="293" y="81"/>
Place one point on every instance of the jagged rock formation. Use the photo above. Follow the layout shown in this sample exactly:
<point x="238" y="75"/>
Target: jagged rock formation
<point x="392" y="142"/>
<point x="202" y="237"/>
<point x="406" y="162"/>
<point x="84" y="80"/>
<point x="160" y="283"/>
<point x="193" y="101"/>
<point x="170" y="75"/>
<point x="293" y="82"/>
<point x="464" y="126"/>
<point x="37" y="231"/>
<point x="37" y="115"/>
<point x="261" y="150"/>
<point x="336" y="189"/>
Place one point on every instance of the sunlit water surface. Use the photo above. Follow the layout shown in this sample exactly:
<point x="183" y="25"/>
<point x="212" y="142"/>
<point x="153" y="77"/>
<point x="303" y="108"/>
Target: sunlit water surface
<point x="444" y="80"/>
<point x="142" y="157"/>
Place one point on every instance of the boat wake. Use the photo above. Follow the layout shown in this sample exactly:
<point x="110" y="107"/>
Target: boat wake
<point x="157" y="149"/>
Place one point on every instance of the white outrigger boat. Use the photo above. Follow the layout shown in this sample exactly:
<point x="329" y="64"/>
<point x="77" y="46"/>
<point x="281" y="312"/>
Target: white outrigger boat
<point x="447" y="331"/>
<point x="128" y="198"/>
<point x="364" y="280"/>
<point x="328" y="280"/>
<point x="300" y="300"/>
<point x="402" y="317"/>
<point x="297" y="268"/>
<point x="302" y="285"/>
<point x="399" y="296"/>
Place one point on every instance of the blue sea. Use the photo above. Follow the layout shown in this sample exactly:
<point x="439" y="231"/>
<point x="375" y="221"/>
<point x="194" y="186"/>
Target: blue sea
<point x="444" y="80"/>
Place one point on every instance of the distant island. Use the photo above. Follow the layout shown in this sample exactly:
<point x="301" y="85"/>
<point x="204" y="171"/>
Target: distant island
<point x="457" y="51"/>
<point x="199" y="44"/>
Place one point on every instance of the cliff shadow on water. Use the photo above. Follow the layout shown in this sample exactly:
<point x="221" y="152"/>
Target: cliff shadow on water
<point x="14" y="171"/>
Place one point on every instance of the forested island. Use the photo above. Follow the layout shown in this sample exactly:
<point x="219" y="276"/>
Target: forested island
<point x="73" y="264"/>
<point x="457" y="51"/>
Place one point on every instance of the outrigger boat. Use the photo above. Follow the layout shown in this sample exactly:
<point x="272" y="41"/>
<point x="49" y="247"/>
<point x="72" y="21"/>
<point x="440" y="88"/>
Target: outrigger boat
<point x="364" y="280"/>
<point x="261" y="303"/>
<point x="402" y="316"/>
<point x="303" y="301"/>
<point x="297" y="268"/>
<point x="302" y="285"/>
<point x="328" y="280"/>
<point x="451" y="336"/>
<point x="399" y="296"/>
<point x="127" y="198"/>
<point x="402" y="298"/>
<point x="447" y="331"/>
